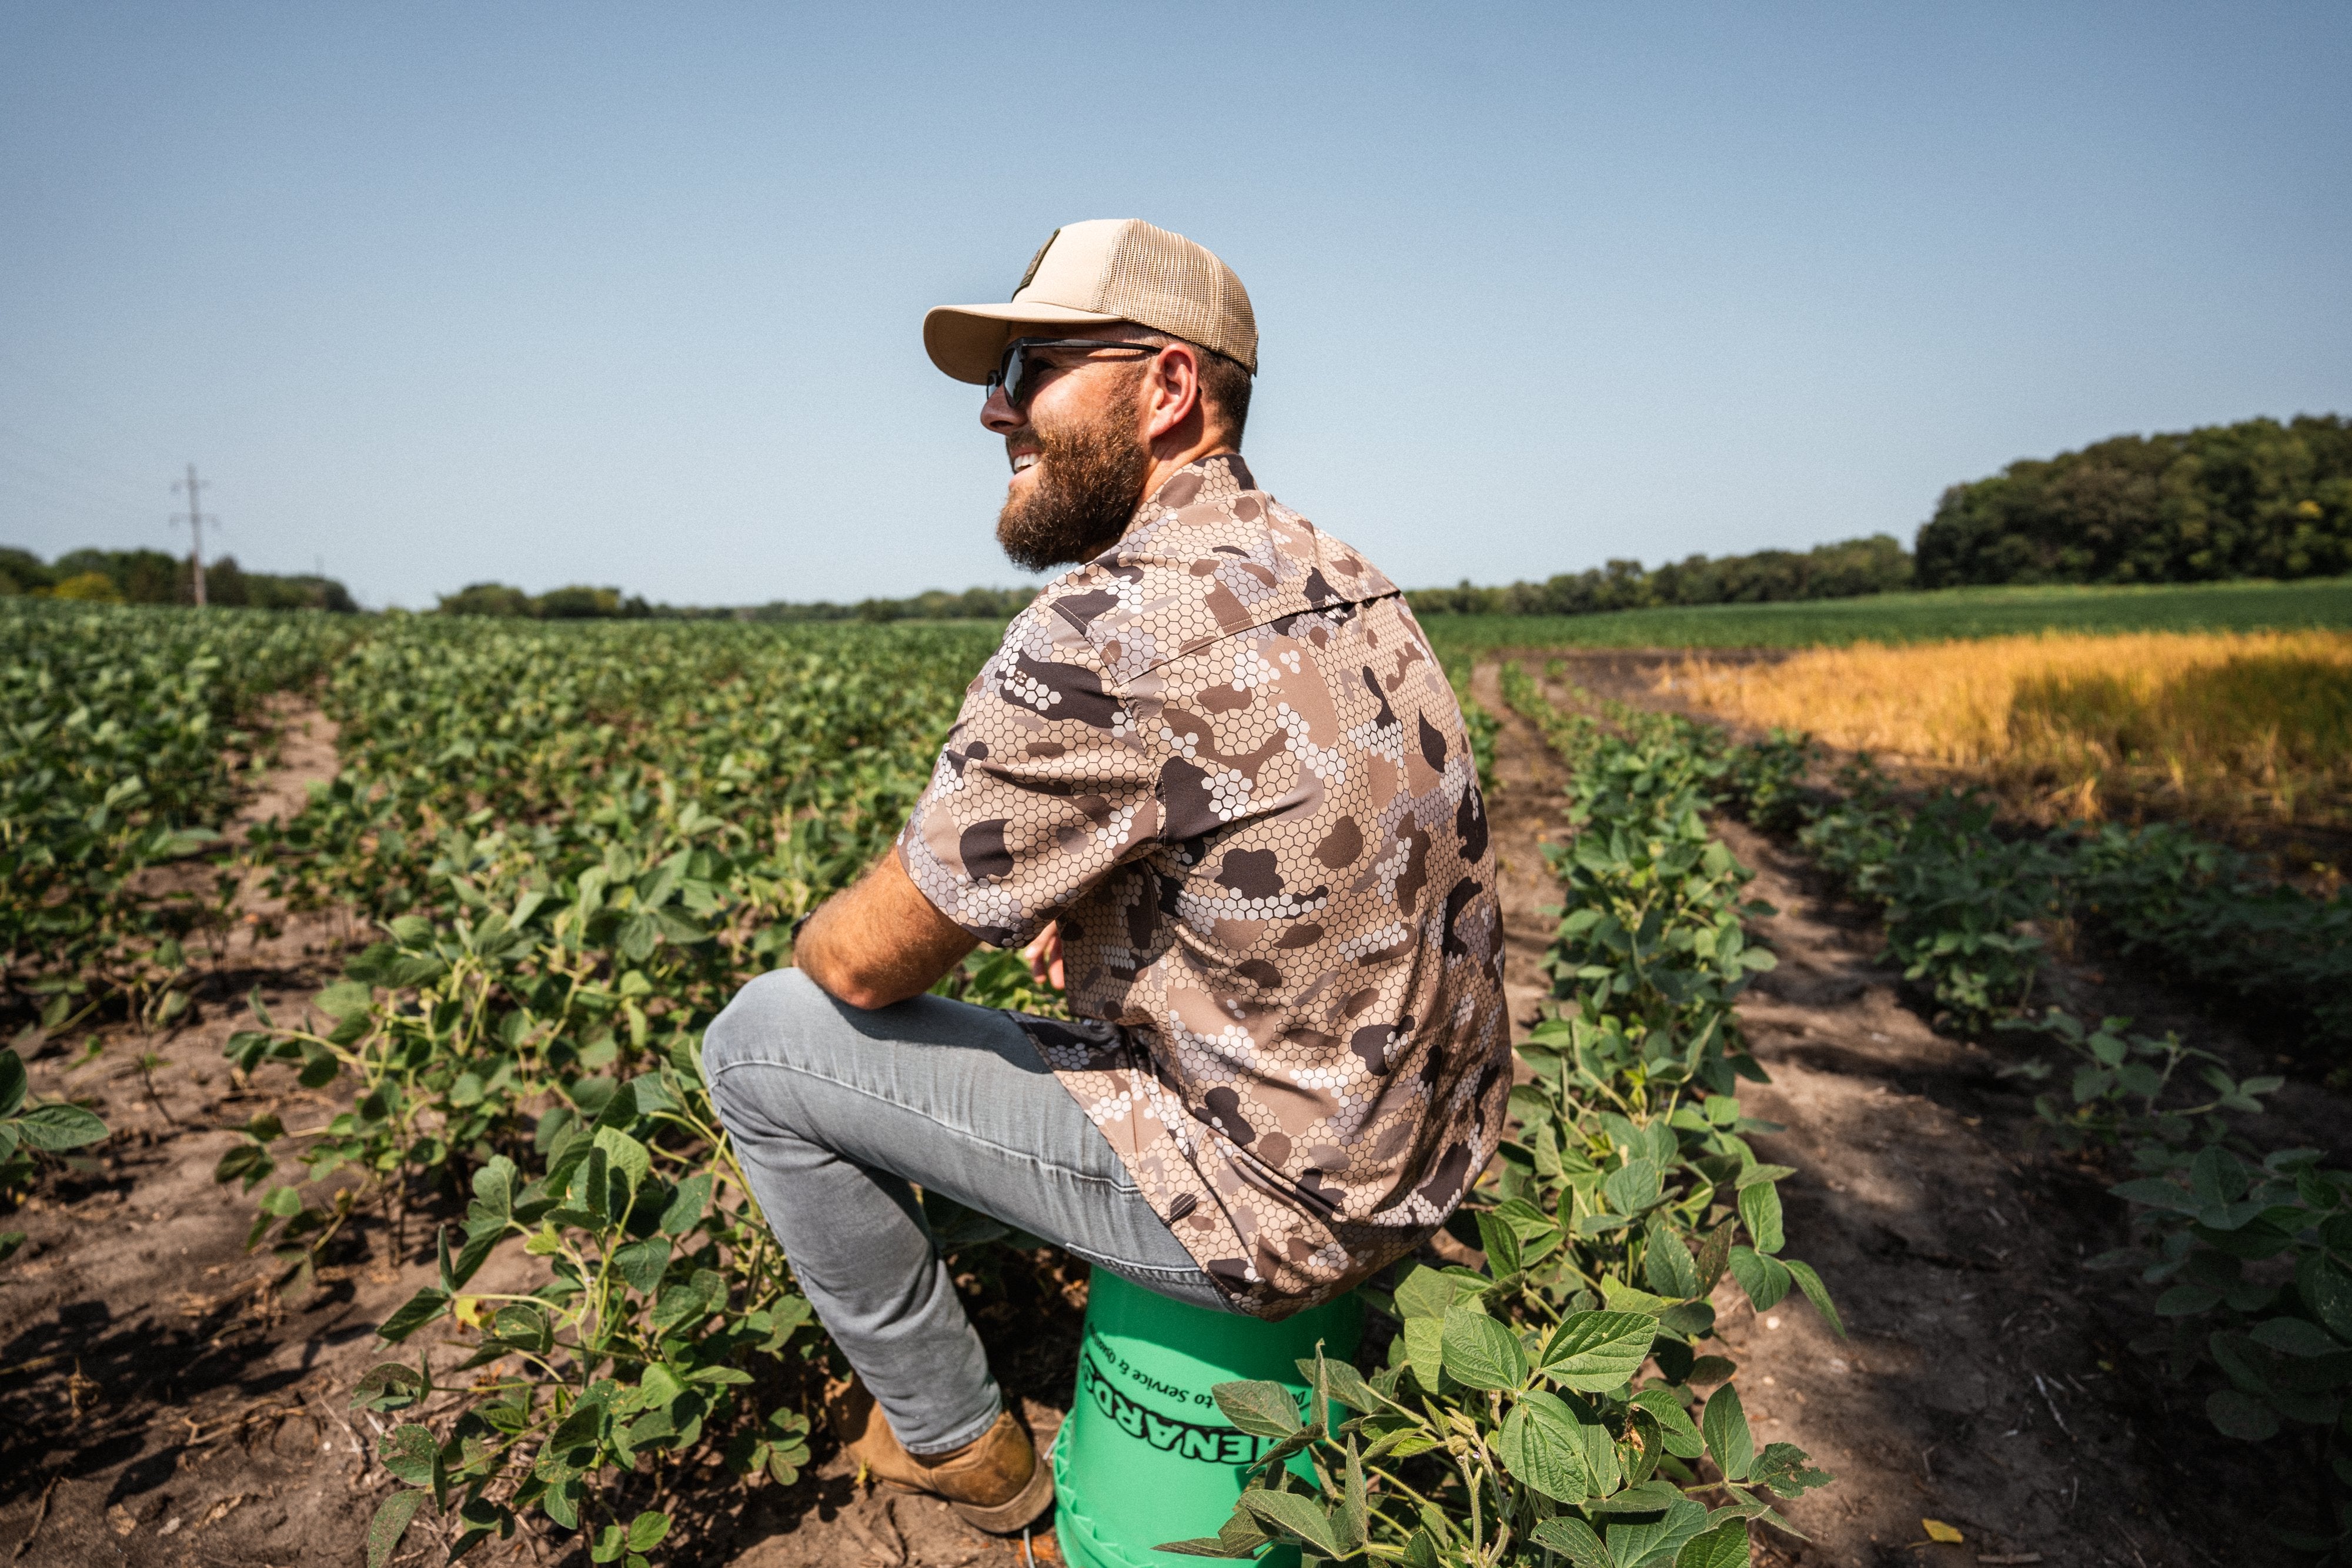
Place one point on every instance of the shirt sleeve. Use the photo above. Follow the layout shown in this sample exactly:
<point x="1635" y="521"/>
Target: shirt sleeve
<point x="1045" y="785"/>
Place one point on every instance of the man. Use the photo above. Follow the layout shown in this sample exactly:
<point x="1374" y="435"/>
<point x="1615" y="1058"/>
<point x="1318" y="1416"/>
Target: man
<point x="1215" y="773"/>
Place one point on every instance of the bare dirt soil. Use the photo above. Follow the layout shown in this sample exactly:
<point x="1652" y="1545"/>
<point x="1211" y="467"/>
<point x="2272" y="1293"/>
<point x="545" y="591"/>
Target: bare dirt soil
<point x="160" y="1401"/>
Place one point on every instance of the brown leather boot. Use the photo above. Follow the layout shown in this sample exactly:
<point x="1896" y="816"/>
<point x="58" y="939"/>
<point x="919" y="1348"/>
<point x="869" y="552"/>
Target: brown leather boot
<point x="995" y="1481"/>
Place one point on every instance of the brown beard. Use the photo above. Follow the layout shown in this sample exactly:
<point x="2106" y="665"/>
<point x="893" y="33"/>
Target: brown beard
<point x="1090" y="482"/>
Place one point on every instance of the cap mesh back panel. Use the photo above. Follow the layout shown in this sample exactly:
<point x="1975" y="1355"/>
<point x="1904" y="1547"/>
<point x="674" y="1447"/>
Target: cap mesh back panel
<point x="1165" y="281"/>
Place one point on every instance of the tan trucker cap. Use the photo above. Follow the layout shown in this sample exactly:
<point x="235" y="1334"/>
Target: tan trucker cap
<point x="1102" y="270"/>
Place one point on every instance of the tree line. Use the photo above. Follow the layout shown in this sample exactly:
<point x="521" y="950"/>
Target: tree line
<point x="2253" y="499"/>
<point x="152" y="576"/>
<point x="1845" y="570"/>
<point x="577" y="603"/>
<point x="2258" y="498"/>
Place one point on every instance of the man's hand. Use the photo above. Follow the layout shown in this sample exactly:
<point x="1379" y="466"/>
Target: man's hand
<point x="1044" y="956"/>
<point x="880" y="941"/>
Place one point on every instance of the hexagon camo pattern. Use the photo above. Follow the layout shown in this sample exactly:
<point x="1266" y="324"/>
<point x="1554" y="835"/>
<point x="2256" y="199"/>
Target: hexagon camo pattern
<point x="1222" y="755"/>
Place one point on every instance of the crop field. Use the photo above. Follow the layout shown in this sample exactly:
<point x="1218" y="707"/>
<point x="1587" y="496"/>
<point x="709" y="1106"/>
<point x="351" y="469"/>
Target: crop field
<point x="2218" y="726"/>
<point x="396" y="1041"/>
<point x="2323" y="604"/>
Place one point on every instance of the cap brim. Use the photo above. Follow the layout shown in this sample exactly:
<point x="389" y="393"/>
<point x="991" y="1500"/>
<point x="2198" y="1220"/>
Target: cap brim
<point x="968" y="341"/>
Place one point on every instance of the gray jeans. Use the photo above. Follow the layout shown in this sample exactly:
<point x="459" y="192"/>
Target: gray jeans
<point x="835" y="1111"/>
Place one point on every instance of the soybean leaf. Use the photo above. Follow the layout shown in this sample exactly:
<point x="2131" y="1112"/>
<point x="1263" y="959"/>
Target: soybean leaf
<point x="13" y="1081"/>
<point x="2236" y="1413"/>
<point x="494" y="1186"/>
<point x="1649" y="1497"/>
<point x="1239" y="1536"/>
<point x="1350" y="1521"/>
<point x="1725" y="1546"/>
<point x="686" y="1205"/>
<point x="390" y="1523"/>
<point x="408" y="1453"/>
<point x="1633" y="1186"/>
<point x="1260" y="1408"/>
<point x="1759" y="1210"/>
<point x="1725" y="1427"/>
<point x="2293" y="1337"/>
<point x="1766" y="1280"/>
<point x="525" y="1328"/>
<point x="1344" y="1384"/>
<point x="1540" y="1446"/>
<point x="1573" y="1539"/>
<point x="1713" y="1254"/>
<point x="2326" y="1288"/>
<point x="386" y="1386"/>
<point x="1784" y="1468"/>
<point x="1625" y="1298"/>
<point x="1424" y="1348"/>
<point x="1480" y="1351"/>
<point x="1815" y="1292"/>
<point x="421" y="1309"/>
<point x="1425" y="1294"/>
<point x="1667" y="1264"/>
<point x="641" y="1263"/>
<point x="59" y="1127"/>
<point x="646" y="1531"/>
<point x="1596" y="1352"/>
<point x="1682" y="1439"/>
<point x="1658" y="1541"/>
<point x="1298" y="1516"/>
<point x="345" y="998"/>
<point x="625" y="1153"/>
<point x="1205" y="1546"/>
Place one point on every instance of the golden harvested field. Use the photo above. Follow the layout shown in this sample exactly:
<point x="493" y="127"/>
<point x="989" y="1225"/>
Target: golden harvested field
<point x="2212" y="726"/>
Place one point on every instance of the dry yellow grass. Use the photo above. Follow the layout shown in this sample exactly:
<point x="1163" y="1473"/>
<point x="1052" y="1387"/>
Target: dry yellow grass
<point x="2232" y="725"/>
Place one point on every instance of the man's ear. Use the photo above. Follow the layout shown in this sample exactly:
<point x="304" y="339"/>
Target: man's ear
<point x="1171" y="392"/>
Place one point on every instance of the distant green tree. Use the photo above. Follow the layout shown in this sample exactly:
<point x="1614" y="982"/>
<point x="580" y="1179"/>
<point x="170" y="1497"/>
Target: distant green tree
<point x="581" y="604"/>
<point x="1845" y="570"/>
<point x="152" y="577"/>
<point x="139" y="576"/>
<point x="90" y="587"/>
<point x="304" y="590"/>
<point x="2253" y="499"/>
<point x="486" y="599"/>
<point x="21" y="572"/>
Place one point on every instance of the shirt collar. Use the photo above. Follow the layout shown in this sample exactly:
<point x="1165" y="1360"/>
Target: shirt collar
<point x="1223" y="474"/>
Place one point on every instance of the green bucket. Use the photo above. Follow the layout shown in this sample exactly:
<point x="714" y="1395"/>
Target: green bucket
<point x="1146" y="1456"/>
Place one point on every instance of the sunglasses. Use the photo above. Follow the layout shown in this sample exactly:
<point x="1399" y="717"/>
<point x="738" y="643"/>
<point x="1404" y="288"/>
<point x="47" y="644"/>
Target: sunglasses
<point x="1015" y="373"/>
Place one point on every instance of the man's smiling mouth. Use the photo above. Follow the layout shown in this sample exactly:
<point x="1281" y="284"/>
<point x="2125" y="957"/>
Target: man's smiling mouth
<point x="1025" y="461"/>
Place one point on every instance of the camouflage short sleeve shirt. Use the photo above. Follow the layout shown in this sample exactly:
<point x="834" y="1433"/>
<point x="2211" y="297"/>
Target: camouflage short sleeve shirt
<point x="1222" y="756"/>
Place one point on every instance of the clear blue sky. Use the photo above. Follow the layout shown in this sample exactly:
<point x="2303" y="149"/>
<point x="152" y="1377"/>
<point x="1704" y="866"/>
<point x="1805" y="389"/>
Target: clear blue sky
<point x="631" y="294"/>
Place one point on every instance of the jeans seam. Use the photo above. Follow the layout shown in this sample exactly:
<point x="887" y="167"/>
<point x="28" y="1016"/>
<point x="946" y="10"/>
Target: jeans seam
<point x="1150" y="1271"/>
<point x="1024" y="1155"/>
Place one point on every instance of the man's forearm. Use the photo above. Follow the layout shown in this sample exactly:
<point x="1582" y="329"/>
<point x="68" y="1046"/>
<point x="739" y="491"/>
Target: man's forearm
<point x="880" y="941"/>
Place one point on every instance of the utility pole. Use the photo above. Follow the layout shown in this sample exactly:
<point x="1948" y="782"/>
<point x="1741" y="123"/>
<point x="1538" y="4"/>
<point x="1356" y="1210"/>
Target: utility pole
<point x="196" y="518"/>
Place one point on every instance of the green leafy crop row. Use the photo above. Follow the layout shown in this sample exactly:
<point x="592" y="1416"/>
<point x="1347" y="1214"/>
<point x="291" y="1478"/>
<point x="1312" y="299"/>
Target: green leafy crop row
<point x="578" y="843"/>
<point x="1549" y="1406"/>
<point x="119" y="732"/>
<point x="2252" y="1249"/>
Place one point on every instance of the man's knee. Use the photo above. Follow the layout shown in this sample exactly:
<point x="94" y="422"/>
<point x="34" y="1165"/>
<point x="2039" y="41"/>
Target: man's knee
<point x="770" y="1019"/>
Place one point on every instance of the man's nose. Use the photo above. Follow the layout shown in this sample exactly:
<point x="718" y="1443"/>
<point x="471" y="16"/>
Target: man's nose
<point x="997" y="413"/>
